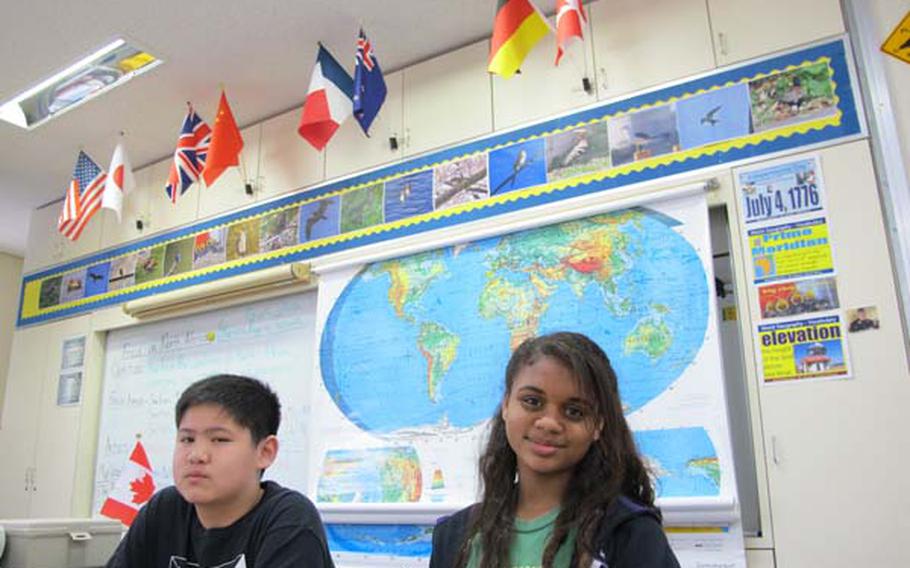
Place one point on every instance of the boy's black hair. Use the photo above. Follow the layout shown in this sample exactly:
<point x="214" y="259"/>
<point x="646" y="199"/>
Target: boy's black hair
<point x="251" y="403"/>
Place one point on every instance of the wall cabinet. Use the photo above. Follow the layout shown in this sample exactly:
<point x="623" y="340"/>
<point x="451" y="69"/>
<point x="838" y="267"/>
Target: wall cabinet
<point x="45" y="245"/>
<point x="760" y="558"/>
<point x="744" y="29"/>
<point x="350" y="150"/>
<point x="40" y="439"/>
<point x="163" y="214"/>
<point x="639" y="45"/>
<point x="543" y="89"/>
<point x="447" y="99"/>
<point x="135" y="208"/>
<point x="229" y="192"/>
<point x="833" y="452"/>
<point x="287" y="161"/>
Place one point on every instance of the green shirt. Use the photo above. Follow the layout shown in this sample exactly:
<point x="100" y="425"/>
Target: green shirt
<point x="529" y="542"/>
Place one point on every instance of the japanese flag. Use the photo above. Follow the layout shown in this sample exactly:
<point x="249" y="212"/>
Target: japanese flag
<point x="119" y="181"/>
<point x="133" y="489"/>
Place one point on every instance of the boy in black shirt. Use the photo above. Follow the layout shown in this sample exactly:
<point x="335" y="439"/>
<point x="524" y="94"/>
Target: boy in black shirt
<point x="219" y="514"/>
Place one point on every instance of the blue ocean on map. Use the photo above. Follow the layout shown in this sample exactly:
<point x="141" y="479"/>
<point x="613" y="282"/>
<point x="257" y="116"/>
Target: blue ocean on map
<point x="440" y="326"/>
<point x="393" y="540"/>
<point x="683" y="460"/>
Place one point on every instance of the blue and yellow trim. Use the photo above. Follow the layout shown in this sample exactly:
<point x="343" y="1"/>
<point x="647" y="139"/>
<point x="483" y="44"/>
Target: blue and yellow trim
<point x="842" y="122"/>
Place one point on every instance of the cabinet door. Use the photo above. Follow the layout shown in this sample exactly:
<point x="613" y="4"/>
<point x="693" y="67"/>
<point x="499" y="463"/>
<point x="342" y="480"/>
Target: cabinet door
<point x="58" y="426"/>
<point x="163" y="214"/>
<point x="350" y="150"/>
<point x="135" y="208"/>
<point x="543" y="89"/>
<point x="643" y="44"/>
<point x="836" y="449"/>
<point x="745" y="28"/>
<point x="229" y="191"/>
<point x="760" y="558"/>
<point x="287" y="161"/>
<point x="46" y="246"/>
<point x="447" y="99"/>
<point x="19" y="421"/>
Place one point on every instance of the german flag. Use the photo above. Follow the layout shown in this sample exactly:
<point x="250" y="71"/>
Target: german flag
<point x="516" y="30"/>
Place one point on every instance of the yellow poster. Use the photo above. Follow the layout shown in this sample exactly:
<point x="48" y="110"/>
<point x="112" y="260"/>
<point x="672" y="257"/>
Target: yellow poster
<point x="791" y="250"/>
<point x="898" y="43"/>
<point x="802" y="349"/>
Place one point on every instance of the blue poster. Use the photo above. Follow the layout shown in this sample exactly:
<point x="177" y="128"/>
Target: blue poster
<point x="518" y="166"/>
<point x="408" y="196"/>
<point x="319" y="219"/>
<point x="96" y="279"/>
<point x="714" y="116"/>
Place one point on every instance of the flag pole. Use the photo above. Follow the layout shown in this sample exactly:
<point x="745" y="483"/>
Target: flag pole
<point x="247" y="184"/>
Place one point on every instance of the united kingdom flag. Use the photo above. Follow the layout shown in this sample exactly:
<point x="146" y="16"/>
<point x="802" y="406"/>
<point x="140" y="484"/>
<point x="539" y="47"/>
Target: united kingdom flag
<point x="189" y="157"/>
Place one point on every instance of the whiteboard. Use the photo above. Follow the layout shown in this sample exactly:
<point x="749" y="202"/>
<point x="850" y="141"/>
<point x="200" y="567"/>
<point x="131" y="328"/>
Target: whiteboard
<point x="147" y="367"/>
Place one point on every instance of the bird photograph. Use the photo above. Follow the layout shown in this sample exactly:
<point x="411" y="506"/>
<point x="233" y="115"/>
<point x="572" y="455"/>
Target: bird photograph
<point x="517" y="166"/>
<point x="461" y="181"/>
<point x="643" y="134"/>
<point x="792" y="96"/>
<point x="316" y="215"/>
<point x="578" y="151"/>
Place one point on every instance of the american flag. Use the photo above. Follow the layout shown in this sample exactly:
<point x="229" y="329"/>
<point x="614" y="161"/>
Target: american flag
<point x="189" y="157"/>
<point x="83" y="197"/>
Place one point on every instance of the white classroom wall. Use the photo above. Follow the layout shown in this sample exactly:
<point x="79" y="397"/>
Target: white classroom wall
<point x="825" y="451"/>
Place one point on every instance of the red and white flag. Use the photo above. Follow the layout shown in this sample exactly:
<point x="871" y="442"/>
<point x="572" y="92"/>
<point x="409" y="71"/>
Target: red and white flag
<point x="119" y="182"/>
<point x="133" y="489"/>
<point x="570" y="22"/>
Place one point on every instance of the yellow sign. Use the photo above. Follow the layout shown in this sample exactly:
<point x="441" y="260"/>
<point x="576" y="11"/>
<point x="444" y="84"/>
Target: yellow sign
<point x="898" y="43"/>
<point x="802" y="349"/>
<point x="791" y="250"/>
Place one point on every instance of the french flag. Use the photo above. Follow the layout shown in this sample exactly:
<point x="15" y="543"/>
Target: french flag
<point x="329" y="101"/>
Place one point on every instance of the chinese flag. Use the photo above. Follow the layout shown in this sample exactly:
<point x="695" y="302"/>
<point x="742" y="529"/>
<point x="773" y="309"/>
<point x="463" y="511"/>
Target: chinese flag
<point x="226" y="144"/>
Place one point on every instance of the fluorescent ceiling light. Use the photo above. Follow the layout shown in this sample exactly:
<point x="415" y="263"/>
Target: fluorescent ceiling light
<point x="110" y="66"/>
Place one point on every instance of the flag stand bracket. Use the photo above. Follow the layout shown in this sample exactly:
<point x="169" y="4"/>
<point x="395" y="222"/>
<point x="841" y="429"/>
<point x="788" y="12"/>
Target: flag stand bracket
<point x="587" y="85"/>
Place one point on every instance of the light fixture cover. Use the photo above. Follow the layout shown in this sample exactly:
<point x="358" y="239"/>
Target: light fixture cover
<point x="110" y="66"/>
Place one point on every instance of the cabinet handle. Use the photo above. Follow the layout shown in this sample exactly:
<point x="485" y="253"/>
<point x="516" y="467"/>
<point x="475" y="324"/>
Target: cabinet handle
<point x="775" y="456"/>
<point x="722" y="40"/>
<point x="28" y="472"/>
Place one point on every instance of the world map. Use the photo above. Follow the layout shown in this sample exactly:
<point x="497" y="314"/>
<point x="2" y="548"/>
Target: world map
<point x="443" y="323"/>
<point x="418" y="345"/>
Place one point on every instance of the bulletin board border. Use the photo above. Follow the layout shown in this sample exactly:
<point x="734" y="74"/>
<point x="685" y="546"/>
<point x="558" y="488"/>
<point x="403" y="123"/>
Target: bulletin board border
<point x="789" y="107"/>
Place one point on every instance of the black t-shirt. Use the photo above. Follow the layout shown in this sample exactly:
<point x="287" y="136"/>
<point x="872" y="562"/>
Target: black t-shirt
<point x="282" y="530"/>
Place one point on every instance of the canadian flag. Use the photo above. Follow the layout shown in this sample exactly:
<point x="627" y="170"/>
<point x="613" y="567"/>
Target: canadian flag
<point x="570" y="21"/>
<point x="119" y="181"/>
<point x="134" y="488"/>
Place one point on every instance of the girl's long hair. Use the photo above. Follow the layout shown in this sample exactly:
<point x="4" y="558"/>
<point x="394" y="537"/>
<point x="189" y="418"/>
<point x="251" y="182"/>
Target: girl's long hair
<point x="611" y="467"/>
